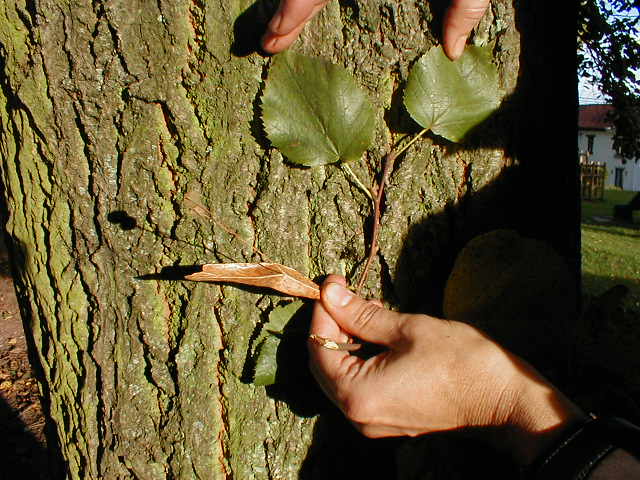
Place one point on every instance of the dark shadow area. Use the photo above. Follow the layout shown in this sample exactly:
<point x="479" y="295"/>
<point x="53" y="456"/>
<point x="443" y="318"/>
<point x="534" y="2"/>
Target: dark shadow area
<point x="294" y="383"/>
<point x="23" y="455"/>
<point x="457" y="451"/>
<point x="625" y="212"/>
<point x="339" y="451"/>
<point x="430" y="247"/>
<point x="396" y="117"/>
<point x="176" y="272"/>
<point x="122" y="219"/>
<point x="256" y="125"/>
<point x="606" y="373"/>
<point x="5" y="264"/>
<point x="250" y="26"/>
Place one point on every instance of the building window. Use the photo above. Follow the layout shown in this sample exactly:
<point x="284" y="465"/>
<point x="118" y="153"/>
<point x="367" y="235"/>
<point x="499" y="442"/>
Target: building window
<point x="590" y="140"/>
<point x="618" y="177"/>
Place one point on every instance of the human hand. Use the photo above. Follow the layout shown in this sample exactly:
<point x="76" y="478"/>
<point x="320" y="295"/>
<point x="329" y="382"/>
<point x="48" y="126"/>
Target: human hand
<point x="435" y="376"/>
<point x="292" y="15"/>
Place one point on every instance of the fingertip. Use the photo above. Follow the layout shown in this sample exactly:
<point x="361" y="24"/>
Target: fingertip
<point x="336" y="295"/>
<point x="287" y="23"/>
<point x="461" y="18"/>
<point x="453" y="49"/>
<point x="268" y="43"/>
<point x="323" y="324"/>
<point x="273" y="43"/>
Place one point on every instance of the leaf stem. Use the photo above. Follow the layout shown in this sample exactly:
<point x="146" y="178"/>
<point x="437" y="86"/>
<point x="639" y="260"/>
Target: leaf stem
<point x="377" y="205"/>
<point x="347" y="170"/>
<point x="411" y="142"/>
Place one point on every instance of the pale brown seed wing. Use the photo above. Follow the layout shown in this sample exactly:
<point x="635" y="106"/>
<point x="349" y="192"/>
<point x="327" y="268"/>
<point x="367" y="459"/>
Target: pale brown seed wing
<point x="293" y="282"/>
<point x="253" y="274"/>
<point x="265" y="275"/>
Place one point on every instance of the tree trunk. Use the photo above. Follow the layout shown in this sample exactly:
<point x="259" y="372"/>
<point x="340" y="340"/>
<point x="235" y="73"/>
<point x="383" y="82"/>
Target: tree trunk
<point x="120" y="120"/>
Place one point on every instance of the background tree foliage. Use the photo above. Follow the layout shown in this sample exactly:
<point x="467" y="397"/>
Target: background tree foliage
<point x="609" y="56"/>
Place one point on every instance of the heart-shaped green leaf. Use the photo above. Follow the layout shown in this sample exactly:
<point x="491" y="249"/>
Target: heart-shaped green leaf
<point x="280" y="316"/>
<point x="451" y="98"/>
<point x="266" y="366"/>
<point x="314" y="112"/>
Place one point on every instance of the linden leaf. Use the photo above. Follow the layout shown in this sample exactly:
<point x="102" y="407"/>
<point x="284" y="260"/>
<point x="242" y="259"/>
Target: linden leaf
<point x="280" y="316"/>
<point x="283" y="279"/>
<point x="266" y="359"/>
<point x="451" y="98"/>
<point x="314" y="112"/>
<point x="266" y="364"/>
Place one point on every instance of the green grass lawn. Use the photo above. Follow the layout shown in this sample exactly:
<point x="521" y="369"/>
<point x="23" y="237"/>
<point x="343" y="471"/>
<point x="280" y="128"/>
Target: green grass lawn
<point x="610" y="250"/>
<point x="604" y="208"/>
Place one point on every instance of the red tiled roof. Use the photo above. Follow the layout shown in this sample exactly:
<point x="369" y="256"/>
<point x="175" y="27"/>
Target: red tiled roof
<point x="594" y="117"/>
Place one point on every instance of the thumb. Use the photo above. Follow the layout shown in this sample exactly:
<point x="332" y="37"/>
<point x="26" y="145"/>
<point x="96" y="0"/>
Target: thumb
<point x="364" y="319"/>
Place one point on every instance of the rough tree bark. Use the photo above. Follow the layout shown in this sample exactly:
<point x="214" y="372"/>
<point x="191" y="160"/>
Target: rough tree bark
<point x="118" y="117"/>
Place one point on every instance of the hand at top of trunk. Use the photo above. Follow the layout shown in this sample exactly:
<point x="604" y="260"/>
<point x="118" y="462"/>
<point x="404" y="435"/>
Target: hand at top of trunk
<point x="292" y="15"/>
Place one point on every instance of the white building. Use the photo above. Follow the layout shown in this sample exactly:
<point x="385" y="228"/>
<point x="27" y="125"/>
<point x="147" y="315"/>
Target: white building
<point x="595" y="139"/>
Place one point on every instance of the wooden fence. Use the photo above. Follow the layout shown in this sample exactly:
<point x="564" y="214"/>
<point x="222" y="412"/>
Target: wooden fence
<point x="592" y="180"/>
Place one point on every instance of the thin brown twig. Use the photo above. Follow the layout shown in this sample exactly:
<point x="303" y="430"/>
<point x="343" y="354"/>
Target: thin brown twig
<point x="377" y="202"/>
<point x="375" y="232"/>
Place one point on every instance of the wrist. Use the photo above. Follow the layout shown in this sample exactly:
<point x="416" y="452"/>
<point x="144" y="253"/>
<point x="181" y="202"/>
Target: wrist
<point x="541" y="415"/>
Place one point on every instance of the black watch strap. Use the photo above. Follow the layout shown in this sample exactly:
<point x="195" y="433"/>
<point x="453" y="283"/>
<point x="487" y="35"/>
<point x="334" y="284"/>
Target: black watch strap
<point x="576" y="455"/>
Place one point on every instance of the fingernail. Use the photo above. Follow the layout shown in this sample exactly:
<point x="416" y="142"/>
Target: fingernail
<point x="337" y="295"/>
<point x="269" y="44"/>
<point x="458" y="47"/>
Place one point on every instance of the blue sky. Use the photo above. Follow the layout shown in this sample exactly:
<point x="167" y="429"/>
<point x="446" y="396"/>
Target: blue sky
<point x="588" y="93"/>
